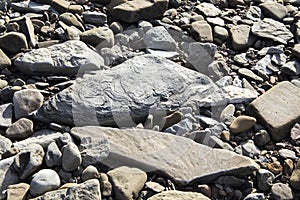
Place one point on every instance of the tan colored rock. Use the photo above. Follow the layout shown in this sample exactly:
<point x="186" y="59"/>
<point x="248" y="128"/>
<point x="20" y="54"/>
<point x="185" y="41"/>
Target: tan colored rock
<point x="178" y="195"/>
<point x="242" y="123"/>
<point x="98" y="37"/>
<point x="4" y="60"/>
<point x="240" y="37"/>
<point x="17" y="191"/>
<point x="60" y="5"/>
<point x="295" y="177"/>
<point x="202" y="31"/>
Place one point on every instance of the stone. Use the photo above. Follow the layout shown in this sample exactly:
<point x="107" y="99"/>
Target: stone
<point x="254" y="13"/>
<point x="30" y="6"/>
<point x="13" y="42"/>
<point x="274" y="10"/>
<point x="138" y="94"/>
<point x="255" y="196"/>
<point x="296" y="51"/>
<point x="53" y="155"/>
<point x="21" y="129"/>
<point x="171" y="119"/>
<point x="241" y="38"/>
<point x="202" y="31"/>
<point x="135" y="10"/>
<point x="295" y="132"/>
<point x="283" y="99"/>
<point x="262" y="67"/>
<point x="231" y="181"/>
<point x="43" y="181"/>
<point x="220" y="33"/>
<point x="60" y="5"/>
<point x="98" y="37"/>
<point x="90" y="189"/>
<point x="25" y="101"/>
<point x="291" y="68"/>
<point x="8" y="175"/>
<point x="178" y="195"/>
<point x="71" y="158"/>
<point x="28" y="29"/>
<point x="181" y="128"/>
<point x="5" y="144"/>
<point x="71" y="20"/>
<point x="60" y="59"/>
<point x="127" y="182"/>
<point x="105" y="185"/>
<point x="271" y="29"/>
<point x="295" y="177"/>
<point x="159" y="38"/>
<point x="286" y="153"/>
<point x="95" y="18"/>
<point x="242" y="123"/>
<point x="248" y="148"/>
<point x="281" y="191"/>
<point x="4" y="60"/>
<point x="29" y="160"/>
<point x="154" y="186"/>
<point x="249" y="75"/>
<point x="3" y="84"/>
<point x="125" y="150"/>
<point x="90" y="172"/>
<point x="261" y="138"/>
<point x="264" y="179"/>
<point x="17" y="191"/>
<point x="208" y="9"/>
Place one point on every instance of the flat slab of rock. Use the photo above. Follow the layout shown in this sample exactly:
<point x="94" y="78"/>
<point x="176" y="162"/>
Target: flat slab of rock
<point x="277" y="109"/>
<point x="179" y="195"/>
<point x="124" y="94"/>
<point x="179" y="158"/>
<point x="6" y="112"/>
<point x="61" y="59"/>
<point x="274" y="30"/>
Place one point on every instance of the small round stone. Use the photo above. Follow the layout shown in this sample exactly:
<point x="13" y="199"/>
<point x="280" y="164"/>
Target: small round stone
<point x="242" y="123"/>
<point x="71" y="157"/>
<point x="261" y="138"/>
<point x="89" y="173"/>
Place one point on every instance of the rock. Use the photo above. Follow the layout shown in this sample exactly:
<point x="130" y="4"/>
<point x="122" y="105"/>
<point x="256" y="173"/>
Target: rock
<point x="178" y="195"/>
<point x="241" y="38"/>
<point x="271" y="29"/>
<point x="262" y="67"/>
<point x="13" y="42"/>
<point x="159" y="38"/>
<point x="283" y="99"/>
<point x="227" y="114"/>
<point x="95" y="18"/>
<point x="286" y="153"/>
<point x="90" y="189"/>
<point x="17" y="191"/>
<point x="281" y="191"/>
<point x="264" y="179"/>
<point x="71" y="20"/>
<point x="21" y="129"/>
<point x="295" y="177"/>
<point x="105" y="185"/>
<point x="127" y="182"/>
<point x="255" y="196"/>
<point x="61" y="59"/>
<point x="42" y="137"/>
<point x="261" y="138"/>
<point x="28" y="29"/>
<point x="135" y="10"/>
<point x="171" y="119"/>
<point x="208" y="9"/>
<point x="249" y="75"/>
<point x="25" y="101"/>
<point x="43" y="181"/>
<point x="29" y="160"/>
<point x="202" y="31"/>
<point x="30" y="6"/>
<point x="291" y="68"/>
<point x="136" y="99"/>
<point x="71" y="158"/>
<point x="274" y="10"/>
<point x="242" y="123"/>
<point x="90" y="172"/>
<point x="4" y="60"/>
<point x="98" y="37"/>
<point x="60" y="5"/>
<point x="295" y="132"/>
<point x="254" y="13"/>
<point x="231" y="181"/>
<point x="5" y="144"/>
<point x="154" y="186"/>
<point x="296" y="51"/>
<point x="220" y="33"/>
<point x="248" y="148"/>
<point x="8" y="176"/>
<point x="169" y="149"/>
<point x="53" y="155"/>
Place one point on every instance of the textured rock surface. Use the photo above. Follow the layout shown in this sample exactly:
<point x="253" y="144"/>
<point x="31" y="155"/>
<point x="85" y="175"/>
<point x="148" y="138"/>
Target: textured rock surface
<point x="13" y="42"/>
<point x="278" y="109"/>
<point x="178" y="195"/>
<point x="21" y="129"/>
<point x="61" y="59"/>
<point x="4" y="60"/>
<point x="6" y="112"/>
<point x="125" y="93"/>
<point x="17" y="191"/>
<point x="8" y="176"/>
<point x="172" y="155"/>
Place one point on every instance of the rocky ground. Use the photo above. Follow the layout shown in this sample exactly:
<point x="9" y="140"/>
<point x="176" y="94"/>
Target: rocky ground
<point x="158" y="100"/>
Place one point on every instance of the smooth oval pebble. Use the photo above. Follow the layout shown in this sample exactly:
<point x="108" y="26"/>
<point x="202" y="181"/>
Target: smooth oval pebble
<point x="242" y="123"/>
<point x="90" y="172"/>
<point x="71" y="158"/>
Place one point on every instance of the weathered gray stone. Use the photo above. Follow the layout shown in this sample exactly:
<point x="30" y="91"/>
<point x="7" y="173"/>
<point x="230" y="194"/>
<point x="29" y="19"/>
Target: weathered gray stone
<point x="29" y="6"/>
<point x="5" y="144"/>
<point x="281" y="191"/>
<point x="133" y="11"/>
<point x="249" y="75"/>
<point x="127" y="182"/>
<point x="159" y="38"/>
<point x="28" y="29"/>
<point x="172" y="155"/>
<point x="8" y="175"/>
<point x="61" y="59"/>
<point x="71" y="158"/>
<point x="208" y="9"/>
<point x="178" y="195"/>
<point x="264" y="179"/>
<point x="241" y="38"/>
<point x="71" y="20"/>
<point x="17" y="191"/>
<point x="21" y="129"/>
<point x="13" y="42"/>
<point x="283" y="100"/>
<point x="295" y="177"/>
<point x="124" y="94"/>
<point x="255" y="196"/>
<point x="271" y="29"/>
<point x="291" y="68"/>
<point x="254" y="13"/>
<point x="95" y="18"/>
<point x="98" y="37"/>
<point x="202" y="31"/>
<point x="53" y="155"/>
<point x="90" y="172"/>
<point x="4" y="60"/>
<point x="274" y="10"/>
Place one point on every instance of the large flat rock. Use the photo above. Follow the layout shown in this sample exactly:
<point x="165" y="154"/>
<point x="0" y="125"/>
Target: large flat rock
<point x="278" y="109"/>
<point x="61" y="59"/>
<point x="180" y="158"/>
<point x="123" y="95"/>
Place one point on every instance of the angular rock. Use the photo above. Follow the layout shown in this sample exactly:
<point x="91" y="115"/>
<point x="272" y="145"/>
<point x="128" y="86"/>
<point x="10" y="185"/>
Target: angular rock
<point x="43" y="181"/>
<point x="8" y="175"/>
<point x="277" y="109"/>
<point x="4" y="60"/>
<point x="202" y="31"/>
<point x="271" y="29"/>
<point x="295" y="177"/>
<point x="249" y="75"/>
<point x="61" y="59"/>
<point x="172" y="155"/>
<point x="13" y="42"/>
<point x="264" y="179"/>
<point x="254" y="13"/>
<point x="5" y="144"/>
<point x="135" y="10"/>
<point x="291" y="68"/>
<point x="98" y="37"/>
<point x="71" y="20"/>
<point x="241" y="37"/>
<point x="71" y="158"/>
<point x="25" y="101"/>
<point x="17" y="191"/>
<point x="127" y="182"/>
<point x="95" y="18"/>
<point x="255" y="196"/>
<point x="178" y="195"/>
<point x="242" y="123"/>
<point x="208" y="9"/>
<point x="21" y="129"/>
<point x="126" y="93"/>
<point x="30" y="6"/>
<point x="274" y="10"/>
<point x="60" y="5"/>
<point x="90" y="172"/>
<point x="159" y="38"/>
<point x="28" y="29"/>
<point x="281" y="191"/>
<point x="53" y="155"/>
